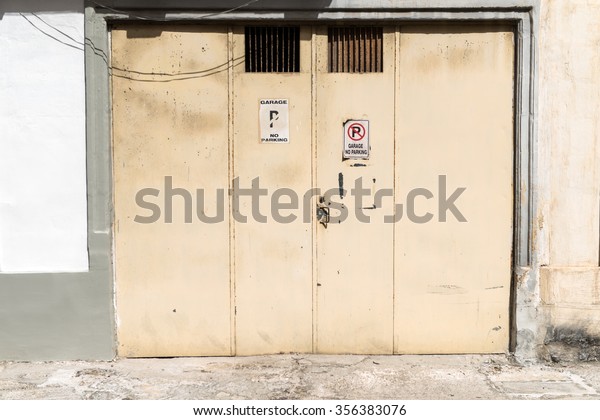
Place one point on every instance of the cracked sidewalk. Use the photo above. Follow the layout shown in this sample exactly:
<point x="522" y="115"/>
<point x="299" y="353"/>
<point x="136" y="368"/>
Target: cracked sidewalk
<point x="283" y="377"/>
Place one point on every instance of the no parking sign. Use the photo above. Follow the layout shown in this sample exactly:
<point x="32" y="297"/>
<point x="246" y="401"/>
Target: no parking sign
<point x="356" y="139"/>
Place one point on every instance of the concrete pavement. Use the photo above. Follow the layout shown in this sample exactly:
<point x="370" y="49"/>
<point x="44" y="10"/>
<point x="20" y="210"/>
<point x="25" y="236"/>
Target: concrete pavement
<point x="302" y="377"/>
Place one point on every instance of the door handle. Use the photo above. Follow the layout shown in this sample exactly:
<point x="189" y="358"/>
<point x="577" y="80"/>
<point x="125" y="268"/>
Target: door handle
<point x="323" y="214"/>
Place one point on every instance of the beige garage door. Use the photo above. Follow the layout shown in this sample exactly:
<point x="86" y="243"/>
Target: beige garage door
<point x="273" y="273"/>
<point x="421" y="263"/>
<point x="455" y="120"/>
<point x="170" y="125"/>
<point x="355" y="260"/>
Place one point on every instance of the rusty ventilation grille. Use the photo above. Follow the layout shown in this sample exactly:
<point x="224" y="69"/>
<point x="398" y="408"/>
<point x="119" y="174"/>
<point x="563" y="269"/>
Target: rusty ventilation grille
<point x="271" y="49"/>
<point x="356" y="50"/>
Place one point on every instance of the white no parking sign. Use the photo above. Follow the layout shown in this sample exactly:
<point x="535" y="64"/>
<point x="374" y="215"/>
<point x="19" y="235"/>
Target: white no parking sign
<point x="274" y="121"/>
<point x="356" y="139"/>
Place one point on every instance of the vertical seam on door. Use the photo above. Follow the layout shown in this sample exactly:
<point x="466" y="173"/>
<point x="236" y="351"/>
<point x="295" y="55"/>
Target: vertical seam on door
<point x="230" y="174"/>
<point x="396" y="98"/>
<point x="313" y="185"/>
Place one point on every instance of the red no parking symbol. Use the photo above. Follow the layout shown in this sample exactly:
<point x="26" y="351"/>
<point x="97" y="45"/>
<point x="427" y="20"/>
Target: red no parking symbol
<point x="356" y="131"/>
<point x="356" y="139"/>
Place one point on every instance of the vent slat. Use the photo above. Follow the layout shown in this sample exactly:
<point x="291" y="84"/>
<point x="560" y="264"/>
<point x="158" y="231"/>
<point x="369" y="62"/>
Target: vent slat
<point x="271" y="49"/>
<point x="355" y="49"/>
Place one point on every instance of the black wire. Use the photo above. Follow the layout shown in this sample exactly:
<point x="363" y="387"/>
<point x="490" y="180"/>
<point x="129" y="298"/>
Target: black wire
<point x="50" y="36"/>
<point x="97" y="50"/>
<point x="143" y="73"/>
<point x="87" y="40"/>
<point x="230" y="66"/>
<point x="150" y="18"/>
<point x="102" y="54"/>
<point x="58" y="30"/>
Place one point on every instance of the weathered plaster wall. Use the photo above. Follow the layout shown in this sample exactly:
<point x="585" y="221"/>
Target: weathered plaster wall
<point x="569" y="136"/>
<point x="43" y="213"/>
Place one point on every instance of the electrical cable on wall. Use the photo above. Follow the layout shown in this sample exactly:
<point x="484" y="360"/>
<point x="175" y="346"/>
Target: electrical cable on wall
<point x="158" y="19"/>
<point x="80" y="46"/>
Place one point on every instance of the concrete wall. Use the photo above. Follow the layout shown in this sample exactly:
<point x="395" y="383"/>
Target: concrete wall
<point x="569" y="138"/>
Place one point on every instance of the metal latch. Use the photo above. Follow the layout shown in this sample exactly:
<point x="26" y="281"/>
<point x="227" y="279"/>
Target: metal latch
<point x="322" y="214"/>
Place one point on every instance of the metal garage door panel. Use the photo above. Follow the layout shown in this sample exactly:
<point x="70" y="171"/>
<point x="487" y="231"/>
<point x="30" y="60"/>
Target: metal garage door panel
<point x="455" y="118"/>
<point x="354" y="258"/>
<point x="172" y="279"/>
<point x="273" y="272"/>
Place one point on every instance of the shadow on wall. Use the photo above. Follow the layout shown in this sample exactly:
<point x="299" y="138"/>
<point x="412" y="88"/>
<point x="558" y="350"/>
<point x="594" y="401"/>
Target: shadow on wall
<point x="144" y="10"/>
<point x="8" y="6"/>
<point x="295" y="7"/>
<point x="28" y="6"/>
<point x="216" y="5"/>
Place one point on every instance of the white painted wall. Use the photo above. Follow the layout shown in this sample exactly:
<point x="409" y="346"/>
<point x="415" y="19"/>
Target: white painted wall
<point x="43" y="213"/>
